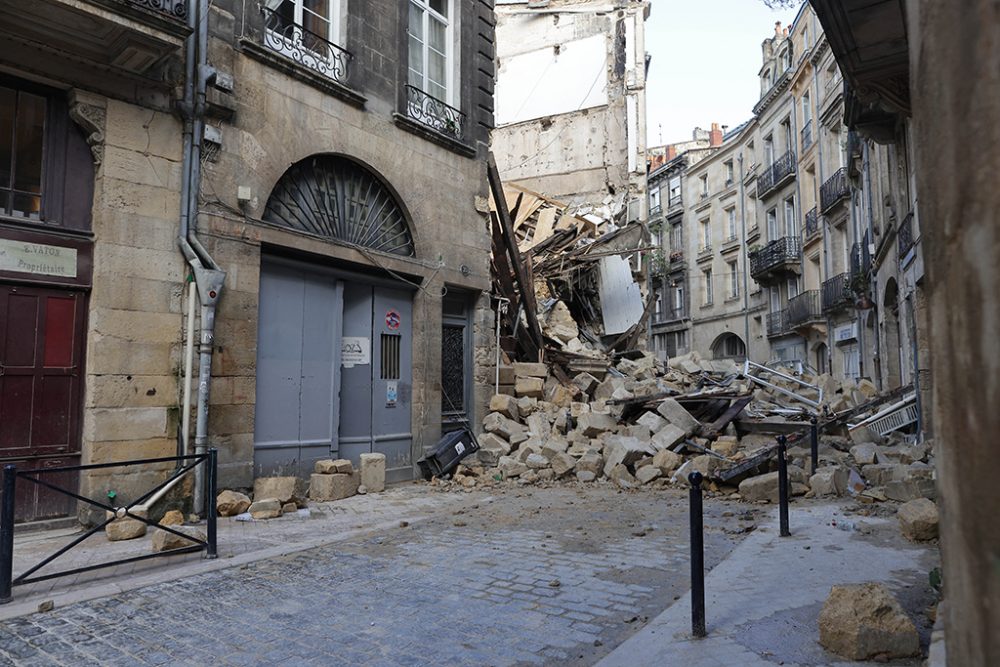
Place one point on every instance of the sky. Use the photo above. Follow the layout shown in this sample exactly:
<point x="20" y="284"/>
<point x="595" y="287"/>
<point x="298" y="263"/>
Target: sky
<point x="705" y="59"/>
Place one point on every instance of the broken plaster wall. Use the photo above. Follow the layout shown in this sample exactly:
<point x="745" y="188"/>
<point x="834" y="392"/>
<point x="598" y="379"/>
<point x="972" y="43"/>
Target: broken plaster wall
<point x="583" y="142"/>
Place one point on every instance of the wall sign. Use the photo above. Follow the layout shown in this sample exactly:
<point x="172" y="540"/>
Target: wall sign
<point x="393" y="320"/>
<point x="355" y="351"/>
<point x="391" y="393"/>
<point x="37" y="258"/>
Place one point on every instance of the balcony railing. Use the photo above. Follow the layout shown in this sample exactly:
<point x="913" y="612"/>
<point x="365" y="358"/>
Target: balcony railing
<point x="812" y="223"/>
<point x="655" y="210"/>
<point x="804" y="308"/>
<point x="774" y="255"/>
<point x="434" y="113"/>
<point x="670" y="315"/>
<point x="807" y="135"/>
<point x="175" y="8"/>
<point x="904" y="237"/>
<point x="837" y="292"/>
<point x="304" y="46"/>
<point x="676" y="256"/>
<point x="775" y="175"/>
<point x="834" y="190"/>
<point x="676" y="200"/>
<point x="777" y="323"/>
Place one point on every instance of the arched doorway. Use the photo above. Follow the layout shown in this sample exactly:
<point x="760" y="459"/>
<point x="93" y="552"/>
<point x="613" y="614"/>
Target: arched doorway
<point x="729" y="346"/>
<point x="821" y="357"/>
<point x="334" y="346"/>
<point x="890" y="334"/>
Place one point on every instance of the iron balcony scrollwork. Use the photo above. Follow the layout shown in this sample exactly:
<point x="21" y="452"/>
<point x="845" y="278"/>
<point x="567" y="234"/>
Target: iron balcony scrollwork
<point x="774" y="255"/>
<point x="904" y="236"/>
<point x="836" y="188"/>
<point x="306" y="47"/>
<point x="432" y="112"/>
<point x="777" y="323"/>
<point x="812" y="223"/>
<point x="175" y="8"/>
<point x="773" y="176"/>
<point x="804" y="307"/>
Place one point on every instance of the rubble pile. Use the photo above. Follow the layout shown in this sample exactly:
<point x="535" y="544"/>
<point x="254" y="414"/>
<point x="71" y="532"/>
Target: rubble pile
<point x="644" y="423"/>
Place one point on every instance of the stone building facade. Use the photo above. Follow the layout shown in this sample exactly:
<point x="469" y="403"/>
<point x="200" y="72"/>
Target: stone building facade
<point x="335" y="198"/>
<point x="571" y="104"/>
<point x="831" y="238"/>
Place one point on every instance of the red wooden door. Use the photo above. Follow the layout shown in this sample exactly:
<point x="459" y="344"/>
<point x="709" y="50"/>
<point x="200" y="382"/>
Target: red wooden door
<point x="42" y="332"/>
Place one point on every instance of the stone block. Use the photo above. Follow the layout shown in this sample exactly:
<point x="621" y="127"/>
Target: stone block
<point x="594" y="424"/>
<point x="910" y="489"/>
<point x="830" y="481"/>
<point x="667" y="437"/>
<point x="761" y="487"/>
<point x="623" y="450"/>
<point x="864" y="453"/>
<point x="606" y="389"/>
<point x="165" y="541"/>
<point x="125" y="527"/>
<point x="675" y="413"/>
<point x="918" y="520"/>
<point x="864" y="621"/>
<point x="652" y="421"/>
<point x="590" y="462"/>
<point x="285" y="489"/>
<point x="289" y="508"/>
<point x="536" y="461"/>
<point x="231" y="503"/>
<point x="172" y="518"/>
<point x="726" y="445"/>
<point x="332" y="466"/>
<point x="880" y="474"/>
<point x="530" y="370"/>
<point x="647" y="474"/>
<point x="526" y="405"/>
<point x="561" y="395"/>
<point x="333" y="487"/>
<point x="620" y="475"/>
<point x="539" y="425"/>
<point x="529" y="386"/>
<point x="373" y="472"/>
<point x="502" y="426"/>
<point x="586" y="382"/>
<point x="585" y="476"/>
<point x="562" y="463"/>
<point x="667" y="461"/>
<point x="505" y="405"/>
<point x="511" y="467"/>
<point x="491" y="448"/>
<point x="265" y="508"/>
<point x="554" y="445"/>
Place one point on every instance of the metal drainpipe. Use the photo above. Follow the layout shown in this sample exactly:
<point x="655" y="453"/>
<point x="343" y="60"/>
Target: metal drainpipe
<point x="823" y="220"/>
<point x="208" y="280"/>
<point x="874" y="283"/>
<point x="860" y="313"/>
<point x="746" y="259"/>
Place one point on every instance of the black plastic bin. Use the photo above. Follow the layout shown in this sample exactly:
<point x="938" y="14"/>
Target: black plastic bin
<point x="447" y="454"/>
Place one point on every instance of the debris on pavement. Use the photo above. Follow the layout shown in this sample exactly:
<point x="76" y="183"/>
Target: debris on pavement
<point x="865" y="621"/>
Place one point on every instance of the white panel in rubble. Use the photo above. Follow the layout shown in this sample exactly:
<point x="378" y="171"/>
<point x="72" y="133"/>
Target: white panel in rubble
<point x="621" y="302"/>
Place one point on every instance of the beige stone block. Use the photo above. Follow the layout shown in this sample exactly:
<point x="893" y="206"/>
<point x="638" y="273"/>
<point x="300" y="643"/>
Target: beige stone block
<point x="135" y="167"/>
<point x="117" y="391"/>
<point x="127" y="450"/>
<point x="126" y="197"/>
<point x="124" y="262"/>
<point x="111" y="356"/>
<point x="130" y="325"/>
<point x="373" y="472"/>
<point x="333" y="487"/>
<point x="244" y="390"/>
<point x="106" y="424"/>
<point x="230" y="418"/>
<point x="139" y="129"/>
<point x="137" y="294"/>
<point x="285" y="489"/>
<point x="165" y="541"/>
<point x="529" y="386"/>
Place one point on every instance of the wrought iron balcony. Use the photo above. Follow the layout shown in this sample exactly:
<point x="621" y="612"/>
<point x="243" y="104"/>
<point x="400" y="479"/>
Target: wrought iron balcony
<point x="812" y="223"/>
<point x="837" y="293"/>
<point x="676" y="257"/>
<point x="776" y="259"/>
<point x="777" y="174"/>
<point x="670" y="315"/>
<point x="655" y="210"/>
<point x="174" y="8"/>
<point x="904" y="236"/>
<point x="305" y="47"/>
<point x="777" y="323"/>
<point x="434" y="113"/>
<point x="674" y="203"/>
<point x="835" y="190"/>
<point x="807" y="135"/>
<point x="804" y="308"/>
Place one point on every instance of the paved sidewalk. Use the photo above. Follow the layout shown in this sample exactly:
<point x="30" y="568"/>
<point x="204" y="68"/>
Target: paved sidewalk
<point x="239" y="542"/>
<point x="763" y="601"/>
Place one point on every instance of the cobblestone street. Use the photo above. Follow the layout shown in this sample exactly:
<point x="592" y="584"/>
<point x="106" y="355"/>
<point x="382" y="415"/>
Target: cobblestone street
<point x="555" y="576"/>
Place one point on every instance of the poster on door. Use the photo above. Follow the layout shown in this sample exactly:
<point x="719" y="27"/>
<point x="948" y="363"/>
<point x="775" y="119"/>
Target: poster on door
<point x="391" y="393"/>
<point x="355" y="351"/>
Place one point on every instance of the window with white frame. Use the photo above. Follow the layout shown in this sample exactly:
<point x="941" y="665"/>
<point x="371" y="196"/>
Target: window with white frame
<point x="734" y="280"/>
<point x="790" y="226"/>
<point x="654" y="199"/>
<point x="431" y="48"/>
<point x="675" y="190"/>
<point x="679" y="299"/>
<point x="731" y="223"/>
<point x="706" y="287"/>
<point x="772" y="224"/>
<point x="793" y="288"/>
<point x="729" y="172"/>
<point x="704" y="186"/>
<point x="309" y="32"/>
<point x="706" y="235"/>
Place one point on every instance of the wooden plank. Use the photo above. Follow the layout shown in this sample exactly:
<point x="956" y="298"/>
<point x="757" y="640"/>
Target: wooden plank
<point x="503" y="215"/>
<point x="729" y="415"/>
<point x="545" y="226"/>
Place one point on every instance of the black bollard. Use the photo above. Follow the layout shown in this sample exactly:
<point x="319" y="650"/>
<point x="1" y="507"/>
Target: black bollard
<point x="697" y="558"/>
<point x="783" y="486"/>
<point x="7" y="533"/>
<point x="814" y="442"/>
<point x="211" y="512"/>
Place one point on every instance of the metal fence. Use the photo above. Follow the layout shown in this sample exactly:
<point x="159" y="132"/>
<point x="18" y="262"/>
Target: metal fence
<point x="37" y="476"/>
<point x="834" y="189"/>
<point x="782" y="167"/>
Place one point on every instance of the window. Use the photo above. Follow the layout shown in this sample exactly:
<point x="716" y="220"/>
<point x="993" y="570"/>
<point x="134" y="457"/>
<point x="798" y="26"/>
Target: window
<point x="654" y="199"/>
<point x="729" y="172"/>
<point x="728" y="346"/>
<point x="22" y="128"/>
<point x="676" y="238"/>
<point x="675" y="190"/>
<point x="790" y="226"/>
<point x="679" y="299"/>
<point x="704" y="186"/>
<point x="707" y="295"/>
<point x="706" y="235"/>
<point x="430" y="48"/>
<point x="806" y="109"/>
<point x="793" y="288"/>
<point x="731" y="223"/>
<point x="769" y="150"/>
<point x="852" y="361"/>
<point x="307" y="31"/>
<point x="772" y="224"/>
<point x="734" y="279"/>
<point x="786" y="130"/>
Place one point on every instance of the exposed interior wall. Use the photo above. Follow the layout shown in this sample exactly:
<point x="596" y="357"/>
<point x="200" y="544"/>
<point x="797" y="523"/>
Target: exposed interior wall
<point x="956" y="100"/>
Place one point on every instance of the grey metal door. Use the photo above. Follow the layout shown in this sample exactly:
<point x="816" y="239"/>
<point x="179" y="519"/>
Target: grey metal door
<point x="376" y="396"/>
<point x="298" y="369"/>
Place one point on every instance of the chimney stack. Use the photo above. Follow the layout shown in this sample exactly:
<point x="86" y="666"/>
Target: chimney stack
<point x="715" y="136"/>
<point x="671" y="152"/>
<point x="777" y="28"/>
